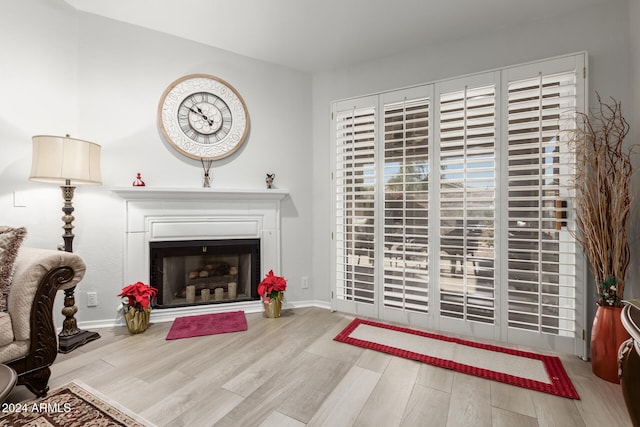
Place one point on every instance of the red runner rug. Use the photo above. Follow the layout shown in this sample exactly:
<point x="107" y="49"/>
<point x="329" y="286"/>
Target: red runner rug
<point x="207" y="324"/>
<point x="516" y="367"/>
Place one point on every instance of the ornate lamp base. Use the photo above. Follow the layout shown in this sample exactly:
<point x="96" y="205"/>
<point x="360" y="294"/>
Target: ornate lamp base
<point x="67" y="344"/>
<point x="71" y="337"/>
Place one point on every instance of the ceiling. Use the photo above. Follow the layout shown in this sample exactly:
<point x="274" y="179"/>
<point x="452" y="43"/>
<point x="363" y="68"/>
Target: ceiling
<point x="315" y="36"/>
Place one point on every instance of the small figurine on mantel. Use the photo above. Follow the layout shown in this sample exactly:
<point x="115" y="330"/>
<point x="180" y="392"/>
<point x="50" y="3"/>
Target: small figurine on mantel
<point x="269" y="179"/>
<point x="138" y="182"/>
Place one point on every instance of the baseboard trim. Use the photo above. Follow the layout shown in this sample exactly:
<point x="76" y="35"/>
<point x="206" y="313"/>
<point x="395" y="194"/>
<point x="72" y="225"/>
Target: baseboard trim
<point x="169" y="314"/>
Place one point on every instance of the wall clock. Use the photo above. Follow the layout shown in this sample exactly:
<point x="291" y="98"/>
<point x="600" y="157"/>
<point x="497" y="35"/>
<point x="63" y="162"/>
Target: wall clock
<point x="203" y="117"/>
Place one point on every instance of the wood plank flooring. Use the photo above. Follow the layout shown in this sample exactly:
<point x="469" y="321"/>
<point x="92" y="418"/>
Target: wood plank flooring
<point x="289" y="372"/>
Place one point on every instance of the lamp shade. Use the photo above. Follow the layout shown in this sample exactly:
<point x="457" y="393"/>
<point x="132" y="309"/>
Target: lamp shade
<point x="59" y="159"/>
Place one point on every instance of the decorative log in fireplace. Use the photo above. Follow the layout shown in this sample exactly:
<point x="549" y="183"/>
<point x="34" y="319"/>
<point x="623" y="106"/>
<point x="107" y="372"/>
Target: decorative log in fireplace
<point x="198" y="272"/>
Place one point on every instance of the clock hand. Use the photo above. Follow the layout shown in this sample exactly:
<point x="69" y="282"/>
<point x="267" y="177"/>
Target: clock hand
<point x="201" y="114"/>
<point x="205" y="117"/>
<point x="194" y="111"/>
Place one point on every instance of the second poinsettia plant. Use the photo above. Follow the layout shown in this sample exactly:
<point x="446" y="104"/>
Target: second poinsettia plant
<point x="271" y="286"/>
<point x="138" y="296"/>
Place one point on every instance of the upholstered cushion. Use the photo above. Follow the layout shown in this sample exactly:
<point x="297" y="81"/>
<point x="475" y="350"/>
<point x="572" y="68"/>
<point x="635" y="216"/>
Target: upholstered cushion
<point x="6" y="330"/>
<point x="32" y="264"/>
<point x="14" y="350"/>
<point x="10" y="240"/>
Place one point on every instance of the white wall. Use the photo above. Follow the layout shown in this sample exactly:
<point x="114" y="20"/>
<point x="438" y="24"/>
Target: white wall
<point x="601" y="31"/>
<point x="38" y="70"/>
<point x="64" y="71"/>
<point x="633" y="278"/>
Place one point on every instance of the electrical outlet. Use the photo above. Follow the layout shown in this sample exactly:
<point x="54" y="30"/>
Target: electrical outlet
<point x="19" y="199"/>
<point x="92" y="299"/>
<point x="304" y="282"/>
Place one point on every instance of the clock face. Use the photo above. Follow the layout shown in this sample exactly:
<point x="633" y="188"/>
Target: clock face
<point x="203" y="117"/>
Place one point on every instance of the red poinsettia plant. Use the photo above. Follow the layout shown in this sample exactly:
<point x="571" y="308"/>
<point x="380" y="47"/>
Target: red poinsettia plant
<point x="271" y="286"/>
<point x="138" y="296"/>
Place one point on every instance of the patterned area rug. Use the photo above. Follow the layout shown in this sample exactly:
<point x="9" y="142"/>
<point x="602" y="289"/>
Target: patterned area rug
<point x="69" y="406"/>
<point x="516" y="367"/>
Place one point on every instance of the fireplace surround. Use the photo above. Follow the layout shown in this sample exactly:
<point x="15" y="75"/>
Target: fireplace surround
<point x="155" y="215"/>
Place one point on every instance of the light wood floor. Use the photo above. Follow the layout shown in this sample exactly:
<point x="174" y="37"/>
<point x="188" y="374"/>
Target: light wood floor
<point x="290" y="372"/>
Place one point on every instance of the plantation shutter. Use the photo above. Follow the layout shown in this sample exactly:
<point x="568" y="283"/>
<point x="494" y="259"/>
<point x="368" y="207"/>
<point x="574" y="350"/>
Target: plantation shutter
<point x="355" y="183"/>
<point x="541" y="252"/>
<point x="406" y="204"/>
<point x="467" y="126"/>
<point x="473" y="232"/>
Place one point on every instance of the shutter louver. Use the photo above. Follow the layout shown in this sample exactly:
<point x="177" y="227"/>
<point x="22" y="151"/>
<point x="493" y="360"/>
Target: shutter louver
<point x="467" y="204"/>
<point x="355" y="181"/>
<point x="541" y="252"/>
<point x="406" y="204"/>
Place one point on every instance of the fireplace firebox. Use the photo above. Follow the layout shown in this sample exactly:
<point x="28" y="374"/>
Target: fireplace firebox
<point x="199" y="272"/>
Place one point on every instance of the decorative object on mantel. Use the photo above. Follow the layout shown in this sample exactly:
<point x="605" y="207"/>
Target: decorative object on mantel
<point x="203" y="117"/>
<point x="67" y="161"/>
<point x="269" y="179"/>
<point x="137" y="306"/>
<point x="271" y="290"/>
<point x="206" y="165"/>
<point x="138" y="181"/>
<point x="603" y="203"/>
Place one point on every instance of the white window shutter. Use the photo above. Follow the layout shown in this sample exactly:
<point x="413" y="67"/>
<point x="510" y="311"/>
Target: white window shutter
<point x="355" y="185"/>
<point x="467" y="125"/>
<point x="406" y="204"/>
<point x="541" y="251"/>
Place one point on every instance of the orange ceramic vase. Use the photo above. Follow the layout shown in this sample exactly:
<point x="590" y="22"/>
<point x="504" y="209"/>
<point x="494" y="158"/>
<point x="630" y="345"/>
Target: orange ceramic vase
<point x="607" y="336"/>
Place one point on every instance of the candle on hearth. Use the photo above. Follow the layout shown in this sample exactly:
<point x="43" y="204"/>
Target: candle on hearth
<point x="205" y="294"/>
<point x="191" y="294"/>
<point x="219" y="293"/>
<point x="232" y="290"/>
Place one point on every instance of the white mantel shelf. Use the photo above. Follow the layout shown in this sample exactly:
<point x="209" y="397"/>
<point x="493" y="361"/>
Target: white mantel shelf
<point x="156" y="193"/>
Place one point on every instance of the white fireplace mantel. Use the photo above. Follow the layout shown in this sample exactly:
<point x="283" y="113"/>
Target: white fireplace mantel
<point x="161" y="214"/>
<point x="155" y="193"/>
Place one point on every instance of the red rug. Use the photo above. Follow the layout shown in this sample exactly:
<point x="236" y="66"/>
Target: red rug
<point x="207" y="324"/>
<point x="548" y="374"/>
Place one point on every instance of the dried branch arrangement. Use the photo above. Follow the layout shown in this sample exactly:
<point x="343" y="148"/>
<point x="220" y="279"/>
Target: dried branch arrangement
<point x="603" y="196"/>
